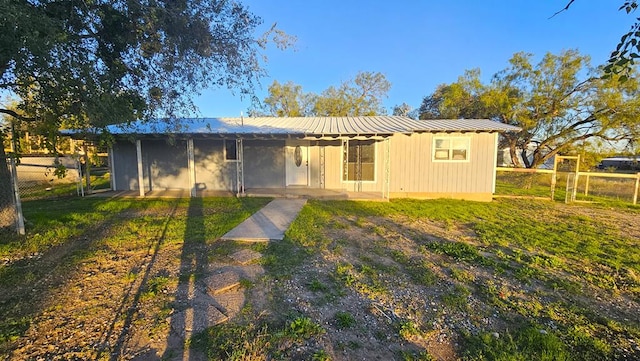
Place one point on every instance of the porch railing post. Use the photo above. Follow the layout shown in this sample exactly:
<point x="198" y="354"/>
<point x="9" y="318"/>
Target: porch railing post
<point x="191" y="167"/>
<point x="140" y="168"/>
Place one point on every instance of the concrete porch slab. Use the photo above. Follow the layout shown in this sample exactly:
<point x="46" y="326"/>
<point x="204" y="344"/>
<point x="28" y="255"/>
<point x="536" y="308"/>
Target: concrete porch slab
<point x="288" y="193"/>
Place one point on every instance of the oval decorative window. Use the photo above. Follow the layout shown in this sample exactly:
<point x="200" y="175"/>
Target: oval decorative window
<point x="297" y="156"/>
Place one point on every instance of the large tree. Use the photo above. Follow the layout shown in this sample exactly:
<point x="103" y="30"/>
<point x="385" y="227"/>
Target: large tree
<point x="81" y="64"/>
<point x="288" y="100"/>
<point x="111" y="61"/>
<point x="360" y="96"/>
<point x="558" y="102"/>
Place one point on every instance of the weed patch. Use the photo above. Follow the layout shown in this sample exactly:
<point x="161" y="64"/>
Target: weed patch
<point x="344" y="320"/>
<point x="529" y="343"/>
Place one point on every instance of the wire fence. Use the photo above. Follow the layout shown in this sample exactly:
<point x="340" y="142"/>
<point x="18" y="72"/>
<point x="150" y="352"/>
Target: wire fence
<point x="40" y="177"/>
<point x="589" y="186"/>
<point x="33" y="178"/>
<point x="616" y="186"/>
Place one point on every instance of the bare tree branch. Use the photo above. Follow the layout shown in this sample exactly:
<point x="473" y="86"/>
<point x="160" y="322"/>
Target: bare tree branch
<point x="16" y="115"/>
<point x="563" y="9"/>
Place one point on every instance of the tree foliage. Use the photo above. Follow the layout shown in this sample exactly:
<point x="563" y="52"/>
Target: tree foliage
<point x="360" y="96"/>
<point x="559" y="102"/>
<point x="86" y="64"/>
<point x="404" y="110"/>
<point x="288" y="100"/>
<point x="92" y="63"/>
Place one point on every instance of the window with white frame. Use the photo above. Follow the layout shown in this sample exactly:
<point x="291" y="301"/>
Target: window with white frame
<point x="451" y="149"/>
<point x="230" y="150"/>
<point x="359" y="160"/>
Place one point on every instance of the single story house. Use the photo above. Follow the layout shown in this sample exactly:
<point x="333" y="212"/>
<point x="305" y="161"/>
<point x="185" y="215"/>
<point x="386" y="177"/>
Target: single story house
<point x="391" y="156"/>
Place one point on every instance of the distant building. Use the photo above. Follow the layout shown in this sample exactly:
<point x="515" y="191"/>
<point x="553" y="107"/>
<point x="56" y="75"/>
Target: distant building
<point x="504" y="157"/>
<point x="621" y="163"/>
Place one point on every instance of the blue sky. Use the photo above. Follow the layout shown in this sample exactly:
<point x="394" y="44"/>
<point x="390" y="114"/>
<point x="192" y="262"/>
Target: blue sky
<point x="418" y="44"/>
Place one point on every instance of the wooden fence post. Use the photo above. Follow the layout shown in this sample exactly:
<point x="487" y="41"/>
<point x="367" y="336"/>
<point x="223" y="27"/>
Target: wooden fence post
<point x="586" y="185"/>
<point x="554" y="177"/>
<point x="575" y="180"/>
<point x="635" y="193"/>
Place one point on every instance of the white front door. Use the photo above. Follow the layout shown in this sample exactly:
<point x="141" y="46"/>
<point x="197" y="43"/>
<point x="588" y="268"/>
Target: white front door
<point x="297" y="163"/>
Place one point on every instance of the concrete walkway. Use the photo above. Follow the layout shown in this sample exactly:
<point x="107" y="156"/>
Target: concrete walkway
<point x="269" y="223"/>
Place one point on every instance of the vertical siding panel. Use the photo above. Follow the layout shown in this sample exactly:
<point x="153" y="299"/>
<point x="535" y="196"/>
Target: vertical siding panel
<point x="413" y="170"/>
<point x="314" y="165"/>
<point x="397" y="162"/>
<point x="212" y="172"/>
<point x="428" y="172"/>
<point x="487" y="156"/>
<point x="488" y="160"/>
<point x="428" y="163"/>
<point x="333" y="165"/>
<point x="418" y="165"/>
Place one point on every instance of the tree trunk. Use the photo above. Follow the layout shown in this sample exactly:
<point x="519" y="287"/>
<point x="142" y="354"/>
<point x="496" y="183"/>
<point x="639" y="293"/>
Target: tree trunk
<point x="7" y="206"/>
<point x="525" y="158"/>
<point x="514" y="154"/>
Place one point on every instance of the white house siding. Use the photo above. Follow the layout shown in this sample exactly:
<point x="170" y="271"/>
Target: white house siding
<point x="212" y="172"/>
<point x="126" y="166"/>
<point x="333" y="165"/>
<point x="165" y="164"/>
<point x="264" y="164"/>
<point x="415" y="174"/>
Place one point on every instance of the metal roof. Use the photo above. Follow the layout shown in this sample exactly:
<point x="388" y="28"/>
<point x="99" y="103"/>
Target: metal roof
<point x="312" y="126"/>
<point x="464" y="125"/>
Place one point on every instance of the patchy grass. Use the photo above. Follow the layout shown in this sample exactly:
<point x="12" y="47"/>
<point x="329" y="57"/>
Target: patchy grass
<point x="109" y="263"/>
<point x="528" y="343"/>
<point x="514" y="279"/>
<point x="552" y="281"/>
<point x="250" y="341"/>
<point x="345" y="320"/>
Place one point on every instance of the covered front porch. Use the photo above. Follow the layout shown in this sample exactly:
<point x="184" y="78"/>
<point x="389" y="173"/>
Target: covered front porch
<point x="251" y="165"/>
<point x="292" y="192"/>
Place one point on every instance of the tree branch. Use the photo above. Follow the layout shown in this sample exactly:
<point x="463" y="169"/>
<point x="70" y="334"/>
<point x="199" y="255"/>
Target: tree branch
<point x="563" y="9"/>
<point x="16" y="115"/>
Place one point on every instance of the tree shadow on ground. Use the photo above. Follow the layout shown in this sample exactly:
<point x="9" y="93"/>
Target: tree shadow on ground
<point x="26" y="283"/>
<point x="128" y="306"/>
<point x="191" y="304"/>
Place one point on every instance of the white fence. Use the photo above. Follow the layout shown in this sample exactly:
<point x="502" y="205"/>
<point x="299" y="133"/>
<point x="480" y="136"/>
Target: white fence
<point x="621" y="186"/>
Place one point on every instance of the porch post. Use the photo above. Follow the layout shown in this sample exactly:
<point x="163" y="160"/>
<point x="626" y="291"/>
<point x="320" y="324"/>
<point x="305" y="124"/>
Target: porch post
<point x="140" y="169"/>
<point x="112" y="169"/>
<point x="345" y="161"/>
<point x="387" y="170"/>
<point x="239" y="167"/>
<point x="191" y="166"/>
<point x="322" y="166"/>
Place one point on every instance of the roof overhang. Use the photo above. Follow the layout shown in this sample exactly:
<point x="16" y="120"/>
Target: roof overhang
<point x="312" y="128"/>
